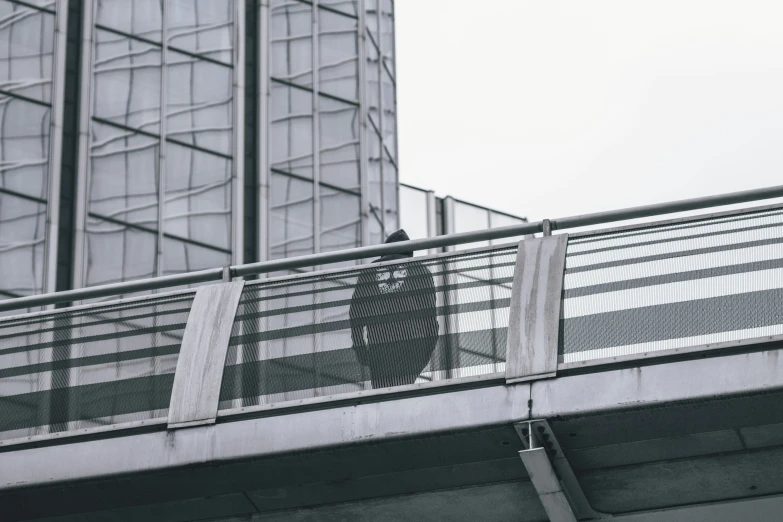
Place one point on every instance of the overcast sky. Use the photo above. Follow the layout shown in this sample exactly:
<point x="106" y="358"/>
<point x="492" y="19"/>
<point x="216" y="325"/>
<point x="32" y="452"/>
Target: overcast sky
<point x="559" y="107"/>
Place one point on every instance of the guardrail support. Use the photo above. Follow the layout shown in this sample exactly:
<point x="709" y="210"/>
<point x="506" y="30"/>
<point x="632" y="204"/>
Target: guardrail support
<point x="534" y="319"/>
<point x="196" y="391"/>
<point x="551" y="474"/>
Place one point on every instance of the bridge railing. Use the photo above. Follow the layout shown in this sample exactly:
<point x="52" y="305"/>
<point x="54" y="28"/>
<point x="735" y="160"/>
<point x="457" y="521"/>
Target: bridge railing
<point x="693" y="283"/>
<point x="90" y="368"/>
<point x="505" y="313"/>
<point x="373" y="327"/>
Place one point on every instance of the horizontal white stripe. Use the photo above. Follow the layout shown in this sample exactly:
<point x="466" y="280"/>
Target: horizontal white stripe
<point x="668" y="344"/>
<point x="673" y="292"/>
<point x="673" y="266"/>
<point x="654" y="234"/>
<point x="633" y="252"/>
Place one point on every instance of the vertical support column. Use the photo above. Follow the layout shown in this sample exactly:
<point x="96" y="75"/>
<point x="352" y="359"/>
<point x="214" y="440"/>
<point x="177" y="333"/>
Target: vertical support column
<point x="378" y="14"/>
<point x="202" y="357"/>
<point x="551" y="474"/>
<point x="238" y="129"/>
<point x="82" y="177"/>
<point x="448" y="219"/>
<point x="55" y="145"/>
<point x="316" y="134"/>
<point x="364" y="156"/>
<point x="262" y="168"/>
<point x="534" y="319"/>
<point x="432" y="219"/>
<point x="164" y="74"/>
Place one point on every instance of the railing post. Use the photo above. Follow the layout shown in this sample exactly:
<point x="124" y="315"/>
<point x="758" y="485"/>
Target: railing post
<point x="202" y="357"/>
<point x="534" y="320"/>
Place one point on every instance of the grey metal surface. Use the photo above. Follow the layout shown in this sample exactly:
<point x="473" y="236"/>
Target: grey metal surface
<point x="549" y="490"/>
<point x="371" y="251"/>
<point x="657" y="384"/>
<point x="194" y="396"/>
<point x="83" y="162"/>
<point x="295" y="432"/>
<point x="55" y="143"/>
<point x="624" y="451"/>
<point x="405" y="417"/>
<point x="238" y="137"/>
<point x="534" y="320"/>
<point x="539" y="434"/>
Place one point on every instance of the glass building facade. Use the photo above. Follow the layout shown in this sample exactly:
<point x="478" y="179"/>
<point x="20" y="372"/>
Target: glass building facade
<point x="425" y="215"/>
<point x="140" y="138"/>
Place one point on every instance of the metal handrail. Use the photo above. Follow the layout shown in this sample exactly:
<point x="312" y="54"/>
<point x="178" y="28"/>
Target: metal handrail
<point x="216" y="274"/>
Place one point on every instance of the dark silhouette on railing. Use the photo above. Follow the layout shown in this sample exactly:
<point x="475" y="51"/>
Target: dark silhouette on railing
<point x="394" y="326"/>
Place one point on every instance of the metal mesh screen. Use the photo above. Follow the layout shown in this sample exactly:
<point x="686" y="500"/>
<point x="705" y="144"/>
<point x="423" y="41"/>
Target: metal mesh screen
<point x="381" y="326"/>
<point x="673" y="286"/>
<point x="92" y="367"/>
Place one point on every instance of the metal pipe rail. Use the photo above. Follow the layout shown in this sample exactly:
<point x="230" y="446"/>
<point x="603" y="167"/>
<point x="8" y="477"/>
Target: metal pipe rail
<point x="216" y="274"/>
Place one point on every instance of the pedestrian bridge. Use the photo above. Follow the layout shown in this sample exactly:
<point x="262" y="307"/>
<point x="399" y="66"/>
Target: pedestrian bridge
<point x="631" y="373"/>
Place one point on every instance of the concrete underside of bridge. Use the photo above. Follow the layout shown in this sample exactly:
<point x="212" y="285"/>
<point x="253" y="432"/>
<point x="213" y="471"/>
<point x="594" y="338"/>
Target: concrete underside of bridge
<point x="701" y="444"/>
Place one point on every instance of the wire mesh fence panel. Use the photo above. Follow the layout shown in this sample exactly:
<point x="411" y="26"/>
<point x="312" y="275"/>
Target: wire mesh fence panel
<point x="673" y="286"/>
<point x="89" y="367"/>
<point x="386" y="325"/>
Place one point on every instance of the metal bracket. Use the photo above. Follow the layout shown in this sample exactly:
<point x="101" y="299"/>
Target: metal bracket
<point x="546" y="227"/>
<point x="551" y="474"/>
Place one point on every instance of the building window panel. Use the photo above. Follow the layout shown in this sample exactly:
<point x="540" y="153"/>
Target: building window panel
<point x="496" y="219"/>
<point x="372" y="78"/>
<point x="291" y="220"/>
<point x="339" y="142"/>
<point x="413" y="209"/>
<point x="22" y="238"/>
<point x="198" y="197"/>
<point x="181" y="256"/>
<point x="390" y="186"/>
<point x="199" y="102"/>
<point x="204" y="27"/>
<point x="140" y="18"/>
<point x="344" y="6"/>
<point x="124" y="175"/>
<point x="26" y="51"/>
<point x="374" y="187"/>
<point x="387" y="33"/>
<point x="118" y="252"/>
<point x="340" y="220"/>
<point x="338" y="55"/>
<point x="292" y="42"/>
<point x="24" y="146"/>
<point x="371" y="20"/>
<point x="291" y="142"/>
<point x="126" y="75"/>
<point x="389" y="112"/>
<point x="469" y="217"/>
